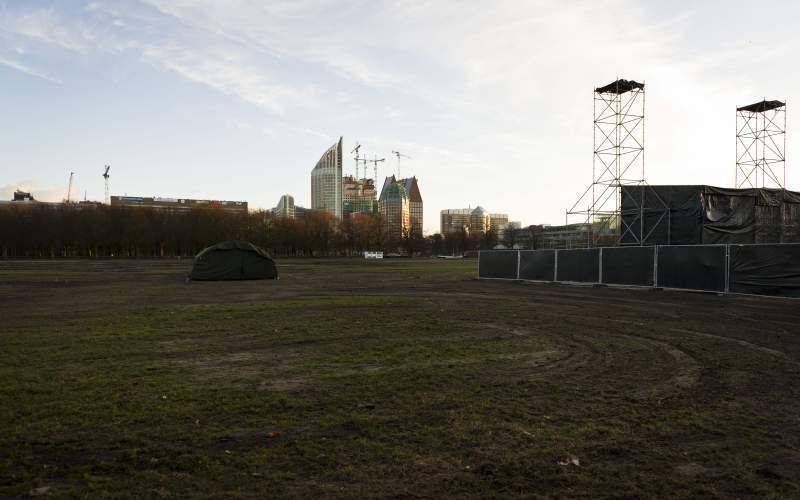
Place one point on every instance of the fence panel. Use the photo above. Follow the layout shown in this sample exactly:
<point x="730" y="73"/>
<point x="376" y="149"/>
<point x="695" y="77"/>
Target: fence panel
<point x="537" y="265"/>
<point x="628" y="265"/>
<point x="765" y="269"/>
<point x="498" y="264"/>
<point x="692" y="267"/>
<point x="581" y="265"/>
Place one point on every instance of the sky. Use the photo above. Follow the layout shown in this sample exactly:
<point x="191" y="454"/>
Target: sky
<point x="238" y="99"/>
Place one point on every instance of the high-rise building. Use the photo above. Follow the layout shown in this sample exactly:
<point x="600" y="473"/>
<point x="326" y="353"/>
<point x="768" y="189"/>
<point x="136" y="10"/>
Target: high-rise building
<point x="326" y="182"/>
<point x="395" y="210"/>
<point x="285" y="207"/>
<point x="473" y="220"/>
<point x="479" y="220"/>
<point x="453" y="220"/>
<point x="358" y="196"/>
<point x="498" y="224"/>
<point x="414" y="203"/>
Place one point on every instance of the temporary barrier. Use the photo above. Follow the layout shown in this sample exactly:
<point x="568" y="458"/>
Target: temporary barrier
<point x="502" y="264"/>
<point x="579" y="265"/>
<point x="628" y="266"/>
<point x="537" y="265"/>
<point x="693" y="267"/>
<point x="766" y="269"/>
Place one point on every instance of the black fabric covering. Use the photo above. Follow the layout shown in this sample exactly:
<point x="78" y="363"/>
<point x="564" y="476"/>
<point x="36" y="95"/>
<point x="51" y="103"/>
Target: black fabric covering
<point x="692" y="267"/>
<point x="582" y="265"/>
<point x="671" y="214"/>
<point x="619" y="87"/>
<point x="693" y="215"/>
<point x="765" y="269"/>
<point x="537" y="265"/>
<point x="760" y="107"/>
<point x="233" y="260"/>
<point x="628" y="265"/>
<point x="498" y="264"/>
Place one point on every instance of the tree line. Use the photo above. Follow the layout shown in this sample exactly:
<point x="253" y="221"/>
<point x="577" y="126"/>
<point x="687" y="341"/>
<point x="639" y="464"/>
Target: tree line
<point x="45" y="231"/>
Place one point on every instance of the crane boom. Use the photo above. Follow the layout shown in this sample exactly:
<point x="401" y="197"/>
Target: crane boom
<point x="399" y="155"/>
<point x="69" y="188"/>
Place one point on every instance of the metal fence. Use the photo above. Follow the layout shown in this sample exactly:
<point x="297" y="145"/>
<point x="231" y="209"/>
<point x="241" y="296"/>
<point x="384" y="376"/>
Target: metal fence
<point x="769" y="269"/>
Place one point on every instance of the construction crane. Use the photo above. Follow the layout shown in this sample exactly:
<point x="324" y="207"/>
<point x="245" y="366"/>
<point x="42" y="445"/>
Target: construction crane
<point x="374" y="162"/>
<point x="399" y="155"/>
<point x="106" y="176"/>
<point x="69" y="189"/>
<point x="357" y="158"/>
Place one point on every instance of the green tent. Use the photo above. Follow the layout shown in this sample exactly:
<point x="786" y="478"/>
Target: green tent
<point x="233" y="260"/>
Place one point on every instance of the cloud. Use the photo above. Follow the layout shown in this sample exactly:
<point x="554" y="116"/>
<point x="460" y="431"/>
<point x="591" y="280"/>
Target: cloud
<point x="27" y="70"/>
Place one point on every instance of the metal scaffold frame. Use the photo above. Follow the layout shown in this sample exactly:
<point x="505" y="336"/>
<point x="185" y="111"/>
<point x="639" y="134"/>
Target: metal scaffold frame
<point x="761" y="145"/>
<point x="618" y="161"/>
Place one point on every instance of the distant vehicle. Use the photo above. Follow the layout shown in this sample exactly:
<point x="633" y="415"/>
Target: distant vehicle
<point x="449" y="257"/>
<point x="373" y="255"/>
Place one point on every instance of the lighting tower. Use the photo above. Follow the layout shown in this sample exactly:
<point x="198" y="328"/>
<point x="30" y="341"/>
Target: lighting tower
<point x="761" y="145"/>
<point x="618" y="159"/>
<point x="399" y="155"/>
<point x="106" y="176"/>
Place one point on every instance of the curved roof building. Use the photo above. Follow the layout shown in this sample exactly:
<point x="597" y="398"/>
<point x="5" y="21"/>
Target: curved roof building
<point x="326" y="181"/>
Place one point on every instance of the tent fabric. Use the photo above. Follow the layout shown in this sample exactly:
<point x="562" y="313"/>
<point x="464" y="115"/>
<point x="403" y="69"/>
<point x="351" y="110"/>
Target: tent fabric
<point x="233" y="260"/>
<point x="699" y="214"/>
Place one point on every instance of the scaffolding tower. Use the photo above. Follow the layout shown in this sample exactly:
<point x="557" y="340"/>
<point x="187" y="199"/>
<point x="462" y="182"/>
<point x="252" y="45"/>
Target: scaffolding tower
<point x="618" y="161"/>
<point x="761" y="145"/>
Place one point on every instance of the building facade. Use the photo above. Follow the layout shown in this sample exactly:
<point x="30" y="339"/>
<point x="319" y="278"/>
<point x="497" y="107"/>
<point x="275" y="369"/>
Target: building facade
<point x="358" y="196"/>
<point x="395" y="210"/>
<point x="179" y="204"/>
<point x="285" y="207"/>
<point x="454" y="220"/>
<point x="326" y="182"/>
<point x="414" y="204"/>
<point x="473" y="220"/>
<point x="498" y="224"/>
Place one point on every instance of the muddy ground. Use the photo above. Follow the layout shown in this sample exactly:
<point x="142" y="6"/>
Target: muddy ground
<point x="393" y="379"/>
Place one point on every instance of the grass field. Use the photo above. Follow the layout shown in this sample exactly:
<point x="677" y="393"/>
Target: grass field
<point x="394" y="379"/>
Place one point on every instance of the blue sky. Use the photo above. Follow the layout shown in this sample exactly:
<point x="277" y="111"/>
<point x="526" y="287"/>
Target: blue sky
<point x="238" y="99"/>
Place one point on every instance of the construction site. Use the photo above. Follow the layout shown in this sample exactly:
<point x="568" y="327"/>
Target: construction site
<point x="624" y="231"/>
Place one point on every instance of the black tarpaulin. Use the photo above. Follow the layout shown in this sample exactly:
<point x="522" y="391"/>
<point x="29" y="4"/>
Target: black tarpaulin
<point x="233" y="260"/>
<point x="760" y="107"/>
<point x="628" y="266"/>
<point x="692" y="267"/>
<point x="729" y="215"/>
<point x="692" y="215"/>
<point x="498" y="264"/>
<point x="619" y="87"/>
<point x="537" y="265"/>
<point x="581" y="265"/>
<point x="765" y="269"/>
